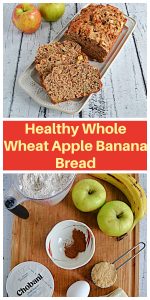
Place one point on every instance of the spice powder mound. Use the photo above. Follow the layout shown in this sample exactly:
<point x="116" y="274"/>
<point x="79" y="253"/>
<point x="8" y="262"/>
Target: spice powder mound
<point x="78" y="244"/>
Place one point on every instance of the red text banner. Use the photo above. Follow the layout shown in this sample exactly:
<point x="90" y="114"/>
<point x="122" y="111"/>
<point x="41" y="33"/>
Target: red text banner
<point x="75" y="145"/>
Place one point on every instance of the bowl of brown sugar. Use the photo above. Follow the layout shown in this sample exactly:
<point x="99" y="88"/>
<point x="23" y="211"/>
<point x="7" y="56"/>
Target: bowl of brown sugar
<point x="70" y="244"/>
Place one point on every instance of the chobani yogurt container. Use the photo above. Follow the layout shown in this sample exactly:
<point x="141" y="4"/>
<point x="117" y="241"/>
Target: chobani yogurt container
<point x="30" y="279"/>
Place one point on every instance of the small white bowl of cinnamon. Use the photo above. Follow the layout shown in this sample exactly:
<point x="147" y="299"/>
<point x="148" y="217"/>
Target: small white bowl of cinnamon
<point x="70" y="244"/>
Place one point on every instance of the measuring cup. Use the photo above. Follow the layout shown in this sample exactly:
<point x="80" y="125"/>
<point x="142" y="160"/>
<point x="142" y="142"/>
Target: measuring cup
<point x="15" y="197"/>
<point x="105" y="268"/>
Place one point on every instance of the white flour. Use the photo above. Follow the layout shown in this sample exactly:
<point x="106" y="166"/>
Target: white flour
<point x="38" y="186"/>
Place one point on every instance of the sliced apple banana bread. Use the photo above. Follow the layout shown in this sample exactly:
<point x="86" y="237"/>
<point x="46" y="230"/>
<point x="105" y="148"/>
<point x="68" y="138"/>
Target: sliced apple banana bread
<point x="45" y="66"/>
<point x="57" y="48"/>
<point x="68" y="82"/>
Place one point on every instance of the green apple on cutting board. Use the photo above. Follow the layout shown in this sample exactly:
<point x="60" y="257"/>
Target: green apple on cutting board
<point x="115" y="218"/>
<point x="51" y="12"/>
<point x="88" y="195"/>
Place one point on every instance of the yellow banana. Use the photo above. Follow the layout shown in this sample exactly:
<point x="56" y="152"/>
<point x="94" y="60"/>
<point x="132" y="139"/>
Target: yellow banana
<point x="131" y="189"/>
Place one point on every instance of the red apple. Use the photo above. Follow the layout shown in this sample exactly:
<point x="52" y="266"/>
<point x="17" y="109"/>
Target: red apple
<point x="26" y="17"/>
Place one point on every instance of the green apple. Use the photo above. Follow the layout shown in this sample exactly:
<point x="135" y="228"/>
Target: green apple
<point x="115" y="218"/>
<point x="51" y="12"/>
<point x="88" y="195"/>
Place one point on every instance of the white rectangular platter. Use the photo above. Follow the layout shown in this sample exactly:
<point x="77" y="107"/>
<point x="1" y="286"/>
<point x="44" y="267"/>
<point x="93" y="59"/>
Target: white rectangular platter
<point x="30" y="84"/>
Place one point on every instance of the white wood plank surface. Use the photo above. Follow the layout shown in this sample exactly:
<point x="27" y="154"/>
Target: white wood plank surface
<point x="8" y="231"/>
<point x="124" y="85"/>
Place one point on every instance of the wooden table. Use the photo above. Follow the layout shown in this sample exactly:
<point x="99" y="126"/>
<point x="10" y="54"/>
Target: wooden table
<point x="124" y="85"/>
<point x="8" y="218"/>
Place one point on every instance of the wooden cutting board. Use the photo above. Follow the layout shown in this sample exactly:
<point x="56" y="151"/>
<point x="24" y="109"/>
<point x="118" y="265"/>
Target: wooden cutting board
<point x="28" y="243"/>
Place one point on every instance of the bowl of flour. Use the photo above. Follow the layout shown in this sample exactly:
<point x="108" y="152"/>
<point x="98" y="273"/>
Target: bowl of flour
<point x="47" y="187"/>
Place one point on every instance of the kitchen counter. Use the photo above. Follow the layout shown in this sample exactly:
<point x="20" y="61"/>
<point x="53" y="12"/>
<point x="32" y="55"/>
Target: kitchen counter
<point x="124" y="85"/>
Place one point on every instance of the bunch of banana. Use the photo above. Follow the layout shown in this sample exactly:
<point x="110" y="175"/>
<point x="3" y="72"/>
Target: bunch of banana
<point x="131" y="189"/>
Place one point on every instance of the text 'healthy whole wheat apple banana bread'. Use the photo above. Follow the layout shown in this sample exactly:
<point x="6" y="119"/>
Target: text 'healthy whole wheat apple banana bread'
<point x="68" y="82"/>
<point x="96" y="29"/>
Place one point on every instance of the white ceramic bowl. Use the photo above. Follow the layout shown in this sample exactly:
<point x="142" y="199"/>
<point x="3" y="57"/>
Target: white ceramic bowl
<point x="61" y="234"/>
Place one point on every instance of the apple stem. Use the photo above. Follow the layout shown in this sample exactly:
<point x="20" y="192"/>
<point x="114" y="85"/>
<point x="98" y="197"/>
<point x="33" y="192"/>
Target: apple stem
<point x="90" y="192"/>
<point x="118" y="216"/>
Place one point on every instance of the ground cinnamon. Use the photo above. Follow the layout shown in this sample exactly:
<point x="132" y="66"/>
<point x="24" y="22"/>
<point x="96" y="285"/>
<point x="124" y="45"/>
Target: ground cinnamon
<point x="78" y="244"/>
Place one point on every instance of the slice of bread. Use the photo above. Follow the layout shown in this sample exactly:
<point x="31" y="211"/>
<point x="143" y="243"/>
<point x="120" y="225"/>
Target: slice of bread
<point x="45" y="66"/>
<point x="57" y="48"/>
<point x="69" y="82"/>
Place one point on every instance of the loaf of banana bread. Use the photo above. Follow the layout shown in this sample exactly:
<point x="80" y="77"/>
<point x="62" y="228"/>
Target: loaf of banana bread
<point x="68" y="82"/>
<point x="96" y="29"/>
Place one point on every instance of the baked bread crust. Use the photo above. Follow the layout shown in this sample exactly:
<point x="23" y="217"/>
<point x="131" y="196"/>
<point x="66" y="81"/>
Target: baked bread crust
<point x="96" y="29"/>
